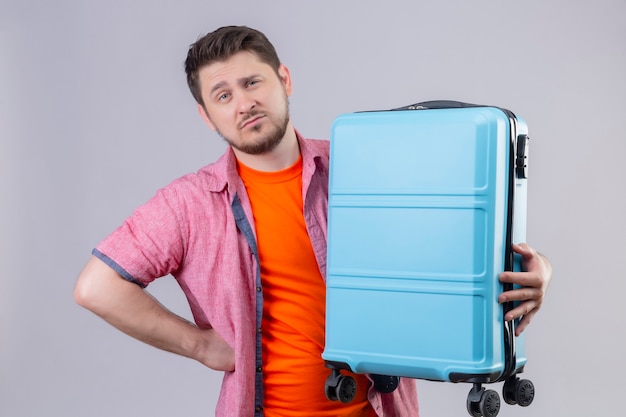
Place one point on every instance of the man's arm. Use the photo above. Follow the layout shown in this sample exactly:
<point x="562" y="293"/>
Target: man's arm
<point x="132" y="310"/>
<point x="534" y="282"/>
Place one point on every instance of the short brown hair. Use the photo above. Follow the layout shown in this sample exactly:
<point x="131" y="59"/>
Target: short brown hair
<point x="220" y="45"/>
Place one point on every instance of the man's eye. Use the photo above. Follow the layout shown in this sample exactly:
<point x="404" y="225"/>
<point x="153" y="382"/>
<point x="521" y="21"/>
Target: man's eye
<point x="222" y="97"/>
<point x="252" y="83"/>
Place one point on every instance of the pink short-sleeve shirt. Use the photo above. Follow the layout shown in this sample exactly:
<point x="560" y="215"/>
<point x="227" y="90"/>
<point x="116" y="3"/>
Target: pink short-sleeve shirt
<point x="199" y="229"/>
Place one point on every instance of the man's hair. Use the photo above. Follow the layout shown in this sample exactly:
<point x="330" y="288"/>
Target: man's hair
<point x="220" y="45"/>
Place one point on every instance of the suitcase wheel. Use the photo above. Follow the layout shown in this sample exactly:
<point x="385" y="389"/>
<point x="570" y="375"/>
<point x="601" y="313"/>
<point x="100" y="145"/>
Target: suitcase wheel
<point x="346" y="390"/>
<point x="518" y="391"/>
<point x="340" y="387"/>
<point x="482" y="402"/>
<point x="385" y="383"/>
<point x="331" y="392"/>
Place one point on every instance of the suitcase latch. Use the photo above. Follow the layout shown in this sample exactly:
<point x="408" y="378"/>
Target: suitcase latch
<point x="521" y="160"/>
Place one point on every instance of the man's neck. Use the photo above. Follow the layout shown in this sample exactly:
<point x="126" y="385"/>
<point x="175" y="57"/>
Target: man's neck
<point x="283" y="156"/>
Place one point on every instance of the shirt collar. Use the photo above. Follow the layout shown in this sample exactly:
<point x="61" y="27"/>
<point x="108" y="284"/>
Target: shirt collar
<point x="225" y="168"/>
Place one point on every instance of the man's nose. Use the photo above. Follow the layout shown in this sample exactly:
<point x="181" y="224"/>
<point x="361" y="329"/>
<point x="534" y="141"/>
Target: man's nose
<point x="245" y="102"/>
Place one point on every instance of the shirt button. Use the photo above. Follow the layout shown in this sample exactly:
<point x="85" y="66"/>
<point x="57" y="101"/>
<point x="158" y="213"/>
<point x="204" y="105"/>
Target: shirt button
<point x="258" y="289"/>
<point x="258" y="369"/>
<point x="258" y="408"/>
<point x="258" y="330"/>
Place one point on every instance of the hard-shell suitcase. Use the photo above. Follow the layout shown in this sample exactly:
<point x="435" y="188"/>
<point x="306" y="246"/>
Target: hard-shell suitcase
<point x="424" y="204"/>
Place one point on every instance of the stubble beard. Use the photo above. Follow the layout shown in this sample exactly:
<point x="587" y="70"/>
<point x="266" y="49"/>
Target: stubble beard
<point x="266" y="143"/>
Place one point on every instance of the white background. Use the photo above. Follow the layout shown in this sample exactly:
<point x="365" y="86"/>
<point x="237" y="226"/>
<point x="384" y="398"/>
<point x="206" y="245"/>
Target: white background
<point x="95" y="115"/>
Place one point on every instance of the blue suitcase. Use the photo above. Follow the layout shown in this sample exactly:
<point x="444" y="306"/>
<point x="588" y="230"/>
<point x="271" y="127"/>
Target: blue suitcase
<point x="424" y="204"/>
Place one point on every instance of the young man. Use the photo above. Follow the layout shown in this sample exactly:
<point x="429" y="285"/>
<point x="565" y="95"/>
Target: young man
<point x="245" y="237"/>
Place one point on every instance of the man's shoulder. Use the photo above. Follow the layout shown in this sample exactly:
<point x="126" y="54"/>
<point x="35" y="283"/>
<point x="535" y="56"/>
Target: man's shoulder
<point x="322" y="143"/>
<point x="212" y="177"/>
<point x="318" y="147"/>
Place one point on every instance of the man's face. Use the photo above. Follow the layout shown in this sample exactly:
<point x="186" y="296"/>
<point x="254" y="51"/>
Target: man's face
<point x="245" y="101"/>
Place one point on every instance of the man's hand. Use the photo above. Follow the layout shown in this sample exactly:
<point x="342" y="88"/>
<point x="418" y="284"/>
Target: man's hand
<point x="534" y="282"/>
<point x="215" y="353"/>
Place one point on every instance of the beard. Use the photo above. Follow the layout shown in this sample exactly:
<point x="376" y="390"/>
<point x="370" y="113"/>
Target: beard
<point x="267" y="142"/>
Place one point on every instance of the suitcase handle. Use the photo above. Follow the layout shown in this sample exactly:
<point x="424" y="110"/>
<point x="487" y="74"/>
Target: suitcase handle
<point x="439" y="104"/>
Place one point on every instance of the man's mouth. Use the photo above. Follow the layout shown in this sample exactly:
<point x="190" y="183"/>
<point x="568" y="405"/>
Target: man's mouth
<point x="251" y="121"/>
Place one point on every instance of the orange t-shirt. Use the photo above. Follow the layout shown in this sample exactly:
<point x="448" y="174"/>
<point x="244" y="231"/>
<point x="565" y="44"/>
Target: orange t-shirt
<point x="294" y="306"/>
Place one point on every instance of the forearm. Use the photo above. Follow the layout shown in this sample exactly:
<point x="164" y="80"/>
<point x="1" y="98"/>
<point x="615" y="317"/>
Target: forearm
<point x="132" y="310"/>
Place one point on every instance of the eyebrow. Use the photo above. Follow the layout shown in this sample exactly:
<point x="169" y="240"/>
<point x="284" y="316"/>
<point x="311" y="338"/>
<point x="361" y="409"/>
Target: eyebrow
<point x="218" y="86"/>
<point x="240" y="81"/>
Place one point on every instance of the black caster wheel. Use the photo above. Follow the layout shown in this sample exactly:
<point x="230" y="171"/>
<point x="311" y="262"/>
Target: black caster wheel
<point x="516" y="391"/>
<point x="331" y="392"/>
<point x="524" y="392"/>
<point x="508" y="391"/>
<point x="489" y="404"/>
<point x="330" y="388"/>
<point x="385" y="383"/>
<point x="346" y="389"/>
<point x="474" y="398"/>
<point x="472" y="408"/>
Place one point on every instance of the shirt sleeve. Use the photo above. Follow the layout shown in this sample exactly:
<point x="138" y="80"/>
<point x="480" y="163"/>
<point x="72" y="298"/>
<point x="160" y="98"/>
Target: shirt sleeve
<point x="149" y="244"/>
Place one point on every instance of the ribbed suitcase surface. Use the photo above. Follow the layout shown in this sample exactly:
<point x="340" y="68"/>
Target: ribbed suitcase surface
<point x="423" y="205"/>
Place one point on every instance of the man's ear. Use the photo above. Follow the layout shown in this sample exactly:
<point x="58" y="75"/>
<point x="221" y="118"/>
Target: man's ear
<point x="205" y="116"/>
<point x="285" y="78"/>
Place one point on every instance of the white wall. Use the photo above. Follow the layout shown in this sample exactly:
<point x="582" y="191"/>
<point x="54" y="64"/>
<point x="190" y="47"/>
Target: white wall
<point x="95" y="116"/>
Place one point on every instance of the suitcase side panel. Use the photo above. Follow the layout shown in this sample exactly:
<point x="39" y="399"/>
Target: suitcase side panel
<point x="520" y="210"/>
